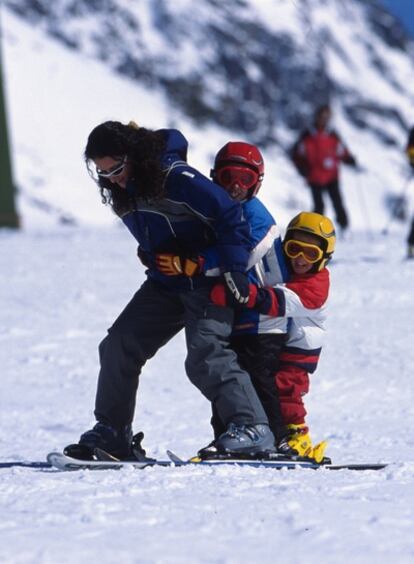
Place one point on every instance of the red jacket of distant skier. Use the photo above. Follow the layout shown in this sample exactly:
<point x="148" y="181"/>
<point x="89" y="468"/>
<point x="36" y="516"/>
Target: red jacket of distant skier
<point x="317" y="155"/>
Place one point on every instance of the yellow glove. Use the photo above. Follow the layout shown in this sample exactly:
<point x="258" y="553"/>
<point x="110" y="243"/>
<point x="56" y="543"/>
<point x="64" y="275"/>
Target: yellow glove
<point x="174" y="265"/>
<point x="410" y="154"/>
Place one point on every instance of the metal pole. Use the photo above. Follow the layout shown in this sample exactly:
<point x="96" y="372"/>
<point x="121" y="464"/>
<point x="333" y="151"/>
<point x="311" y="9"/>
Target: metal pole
<point x="8" y="213"/>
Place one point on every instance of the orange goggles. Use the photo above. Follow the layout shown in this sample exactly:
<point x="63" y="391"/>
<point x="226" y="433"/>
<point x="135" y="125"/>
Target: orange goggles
<point x="294" y="248"/>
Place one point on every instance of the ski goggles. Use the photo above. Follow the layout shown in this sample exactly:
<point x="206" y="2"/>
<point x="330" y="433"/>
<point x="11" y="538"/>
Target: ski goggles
<point x="294" y="248"/>
<point x="229" y="176"/>
<point x="116" y="170"/>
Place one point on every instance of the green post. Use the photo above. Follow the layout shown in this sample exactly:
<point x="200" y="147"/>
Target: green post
<point x="8" y="213"/>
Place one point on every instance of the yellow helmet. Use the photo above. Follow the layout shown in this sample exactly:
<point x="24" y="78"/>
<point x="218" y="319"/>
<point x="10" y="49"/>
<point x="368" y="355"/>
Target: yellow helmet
<point x="315" y="224"/>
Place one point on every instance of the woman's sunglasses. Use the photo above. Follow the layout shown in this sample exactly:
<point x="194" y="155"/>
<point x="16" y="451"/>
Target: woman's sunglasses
<point x="114" y="171"/>
<point x="294" y="248"/>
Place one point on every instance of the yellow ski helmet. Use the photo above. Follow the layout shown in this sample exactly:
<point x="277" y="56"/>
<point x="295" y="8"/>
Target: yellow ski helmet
<point x="315" y="224"/>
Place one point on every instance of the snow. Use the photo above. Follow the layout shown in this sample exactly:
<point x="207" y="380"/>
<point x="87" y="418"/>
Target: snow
<point x="61" y="287"/>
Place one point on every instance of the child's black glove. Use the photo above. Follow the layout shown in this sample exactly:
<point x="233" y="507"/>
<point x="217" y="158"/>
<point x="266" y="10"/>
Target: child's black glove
<point x="262" y="300"/>
<point x="237" y="288"/>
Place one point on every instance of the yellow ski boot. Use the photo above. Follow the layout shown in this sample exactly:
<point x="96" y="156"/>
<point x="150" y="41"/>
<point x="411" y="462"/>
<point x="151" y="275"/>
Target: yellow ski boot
<point x="299" y="440"/>
<point x="318" y="452"/>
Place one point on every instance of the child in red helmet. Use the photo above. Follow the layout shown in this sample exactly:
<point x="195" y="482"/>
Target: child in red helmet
<point x="239" y="169"/>
<point x="308" y="246"/>
<point x="257" y="339"/>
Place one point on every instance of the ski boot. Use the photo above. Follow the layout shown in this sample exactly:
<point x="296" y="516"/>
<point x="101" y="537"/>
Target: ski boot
<point x="245" y="441"/>
<point x="209" y="451"/>
<point x="138" y="452"/>
<point x="301" y="444"/>
<point x="283" y="447"/>
<point x="116" y="443"/>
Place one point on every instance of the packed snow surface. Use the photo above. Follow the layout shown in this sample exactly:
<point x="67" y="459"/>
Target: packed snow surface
<point x="61" y="289"/>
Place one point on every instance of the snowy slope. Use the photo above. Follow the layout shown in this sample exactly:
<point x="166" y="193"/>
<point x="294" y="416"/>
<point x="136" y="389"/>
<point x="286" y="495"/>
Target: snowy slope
<point x="370" y="78"/>
<point x="251" y="66"/>
<point x="60" y="292"/>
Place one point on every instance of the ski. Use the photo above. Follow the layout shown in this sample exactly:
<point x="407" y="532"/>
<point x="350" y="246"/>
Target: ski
<point x="22" y="464"/>
<point x="62" y="462"/>
<point x="65" y="463"/>
<point x="281" y="461"/>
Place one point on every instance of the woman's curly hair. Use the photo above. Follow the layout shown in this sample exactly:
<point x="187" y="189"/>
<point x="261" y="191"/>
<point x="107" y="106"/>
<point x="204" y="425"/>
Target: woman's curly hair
<point x="143" y="147"/>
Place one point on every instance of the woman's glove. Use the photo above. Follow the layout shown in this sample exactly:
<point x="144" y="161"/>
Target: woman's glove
<point x="171" y="264"/>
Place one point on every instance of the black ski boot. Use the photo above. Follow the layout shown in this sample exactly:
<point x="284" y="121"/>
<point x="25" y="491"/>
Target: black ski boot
<point x="116" y="442"/>
<point x="284" y="448"/>
<point x="138" y="451"/>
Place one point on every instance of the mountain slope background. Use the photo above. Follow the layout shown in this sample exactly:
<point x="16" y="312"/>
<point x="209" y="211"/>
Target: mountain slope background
<point x="218" y="71"/>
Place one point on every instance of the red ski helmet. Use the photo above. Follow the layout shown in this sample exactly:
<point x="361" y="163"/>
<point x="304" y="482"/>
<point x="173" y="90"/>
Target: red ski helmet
<point x="239" y="162"/>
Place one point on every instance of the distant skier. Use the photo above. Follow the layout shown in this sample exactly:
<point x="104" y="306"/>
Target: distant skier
<point x="308" y="245"/>
<point x="410" y="155"/>
<point x="173" y="211"/>
<point x="317" y="155"/>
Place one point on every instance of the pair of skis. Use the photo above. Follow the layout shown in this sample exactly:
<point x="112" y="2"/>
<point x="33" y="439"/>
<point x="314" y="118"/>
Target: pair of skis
<point x="62" y="462"/>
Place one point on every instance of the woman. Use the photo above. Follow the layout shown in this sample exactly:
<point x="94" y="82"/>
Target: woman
<point x="173" y="211"/>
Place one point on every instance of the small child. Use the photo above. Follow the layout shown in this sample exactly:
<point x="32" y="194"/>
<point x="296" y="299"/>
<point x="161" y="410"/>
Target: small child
<point x="308" y="246"/>
<point x="257" y="339"/>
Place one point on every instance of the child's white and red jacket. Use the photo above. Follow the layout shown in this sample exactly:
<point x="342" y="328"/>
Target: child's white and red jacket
<point x="304" y="301"/>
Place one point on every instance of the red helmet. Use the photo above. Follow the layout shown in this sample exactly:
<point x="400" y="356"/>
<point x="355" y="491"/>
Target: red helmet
<point x="240" y="163"/>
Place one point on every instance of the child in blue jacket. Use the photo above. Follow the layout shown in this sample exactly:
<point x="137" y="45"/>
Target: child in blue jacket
<point x="257" y="339"/>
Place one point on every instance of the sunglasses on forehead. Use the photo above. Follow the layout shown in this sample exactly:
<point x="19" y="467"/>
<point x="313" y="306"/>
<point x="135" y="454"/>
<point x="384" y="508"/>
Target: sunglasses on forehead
<point x="114" y="171"/>
<point x="294" y="248"/>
